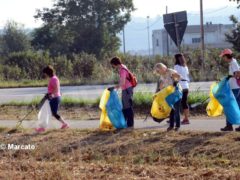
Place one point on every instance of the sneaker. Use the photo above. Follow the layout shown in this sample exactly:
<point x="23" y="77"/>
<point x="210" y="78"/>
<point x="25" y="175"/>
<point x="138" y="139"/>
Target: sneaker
<point x="169" y="128"/>
<point x="227" y="128"/>
<point x="177" y="128"/>
<point x="237" y="129"/>
<point x="65" y="126"/>
<point x="39" y="130"/>
<point x="185" y="121"/>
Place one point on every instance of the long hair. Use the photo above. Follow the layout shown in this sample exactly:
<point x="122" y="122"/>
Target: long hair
<point x="180" y="60"/>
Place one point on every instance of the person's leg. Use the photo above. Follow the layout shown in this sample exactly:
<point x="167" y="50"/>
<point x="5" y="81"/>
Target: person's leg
<point x="177" y="114"/>
<point x="236" y="93"/>
<point x="54" y="104"/>
<point x="229" y="126"/>
<point x="127" y="101"/>
<point x="185" y="107"/>
<point x="171" y="120"/>
<point x="130" y="117"/>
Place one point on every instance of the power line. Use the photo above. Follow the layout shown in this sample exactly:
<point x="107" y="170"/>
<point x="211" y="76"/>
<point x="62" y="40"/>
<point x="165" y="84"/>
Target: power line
<point x="142" y="29"/>
<point x="211" y="12"/>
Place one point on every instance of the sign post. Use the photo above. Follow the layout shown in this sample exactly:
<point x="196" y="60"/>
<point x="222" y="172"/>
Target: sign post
<point x="175" y="25"/>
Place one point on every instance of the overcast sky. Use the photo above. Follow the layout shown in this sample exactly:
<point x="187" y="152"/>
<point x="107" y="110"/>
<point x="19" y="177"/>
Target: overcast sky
<point x="22" y="11"/>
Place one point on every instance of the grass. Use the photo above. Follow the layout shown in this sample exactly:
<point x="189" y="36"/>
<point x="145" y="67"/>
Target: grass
<point x="82" y="109"/>
<point x="66" y="101"/>
<point x="138" y="154"/>
<point x="141" y="100"/>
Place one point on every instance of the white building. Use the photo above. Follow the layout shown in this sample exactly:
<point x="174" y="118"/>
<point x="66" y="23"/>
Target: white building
<point x="214" y="36"/>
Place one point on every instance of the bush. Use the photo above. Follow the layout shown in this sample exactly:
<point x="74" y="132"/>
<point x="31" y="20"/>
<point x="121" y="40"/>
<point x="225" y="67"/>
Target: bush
<point x="11" y="73"/>
<point x="29" y="63"/>
<point x="83" y="65"/>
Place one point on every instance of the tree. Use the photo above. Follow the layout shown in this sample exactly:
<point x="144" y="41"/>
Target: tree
<point x="74" y="26"/>
<point x="238" y="1"/>
<point x="234" y="36"/>
<point x="14" y="39"/>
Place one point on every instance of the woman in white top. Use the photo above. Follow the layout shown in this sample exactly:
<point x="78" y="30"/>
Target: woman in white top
<point x="182" y="69"/>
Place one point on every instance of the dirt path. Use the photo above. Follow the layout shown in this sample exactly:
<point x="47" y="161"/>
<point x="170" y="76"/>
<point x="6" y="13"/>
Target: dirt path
<point x="197" y="124"/>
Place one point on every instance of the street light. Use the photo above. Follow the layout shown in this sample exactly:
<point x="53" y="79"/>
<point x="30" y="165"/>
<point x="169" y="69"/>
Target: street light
<point x="124" y="48"/>
<point x="202" y="32"/>
<point x="167" y="33"/>
<point x="148" y="38"/>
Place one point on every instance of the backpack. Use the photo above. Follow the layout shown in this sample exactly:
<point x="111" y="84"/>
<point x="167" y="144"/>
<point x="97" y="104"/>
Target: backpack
<point x="131" y="78"/>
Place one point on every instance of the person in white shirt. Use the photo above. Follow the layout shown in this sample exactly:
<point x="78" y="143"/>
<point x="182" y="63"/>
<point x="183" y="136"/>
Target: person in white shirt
<point x="227" y="56"/>
<point x="182" y="69"/>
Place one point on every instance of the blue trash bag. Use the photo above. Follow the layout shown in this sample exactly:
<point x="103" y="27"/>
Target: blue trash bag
<point x="223" y="93"/>
<point x="114" y="111"/>
<point x="174" y="97"/>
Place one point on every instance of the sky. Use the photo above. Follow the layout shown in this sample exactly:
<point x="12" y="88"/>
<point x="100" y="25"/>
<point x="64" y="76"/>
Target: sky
<point x="22" y="11"/>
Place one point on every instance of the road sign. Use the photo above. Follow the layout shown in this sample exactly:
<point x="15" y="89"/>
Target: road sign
<point x="176" y="24"/>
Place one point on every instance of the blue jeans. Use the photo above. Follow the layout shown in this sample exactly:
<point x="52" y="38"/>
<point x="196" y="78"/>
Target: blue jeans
<point x="175" y="114"/>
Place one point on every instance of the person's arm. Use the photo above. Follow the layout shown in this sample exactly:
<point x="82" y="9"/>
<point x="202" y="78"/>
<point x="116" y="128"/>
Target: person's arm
<point x="122" y="81"/>
<point x="175" y="75"/>
<point x="235" y="69"/>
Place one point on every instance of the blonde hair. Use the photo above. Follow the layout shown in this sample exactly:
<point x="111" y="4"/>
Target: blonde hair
<point x="159" y="66"/>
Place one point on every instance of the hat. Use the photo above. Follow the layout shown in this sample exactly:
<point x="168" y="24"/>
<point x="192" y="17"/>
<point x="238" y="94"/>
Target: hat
<point x="225" y="52"/>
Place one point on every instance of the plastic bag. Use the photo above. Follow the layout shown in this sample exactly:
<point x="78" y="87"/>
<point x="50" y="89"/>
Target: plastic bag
<point x="174" y="97"/>
<point x="105" y="123"/>
<point x="160" y="108"/>
<point x="114" y="111"/>
<point x="44" y="115"/>
<point x="223" y="93"/>
<point x="214" y="108"/>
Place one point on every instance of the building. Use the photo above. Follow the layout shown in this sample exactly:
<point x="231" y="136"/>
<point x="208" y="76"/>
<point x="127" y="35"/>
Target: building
<point x="214" y="36"/>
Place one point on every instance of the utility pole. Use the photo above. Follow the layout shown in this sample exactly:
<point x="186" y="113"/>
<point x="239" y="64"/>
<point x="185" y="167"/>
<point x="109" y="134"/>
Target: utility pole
<point x="149" y="53"/>
<point x="124" y="49"/>
<point x="167" y="35"/>
<point x="202" y="33"/>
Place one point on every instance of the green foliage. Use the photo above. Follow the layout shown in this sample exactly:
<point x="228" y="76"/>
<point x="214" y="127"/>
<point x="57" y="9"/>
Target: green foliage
<point x="82" y="26"/>
<point x="141" y="99"/>
<point x="83" y="65"/>
<point x="85" y="68"/>
<point x="27" y="65"/>
<point x="13" y="39"/>
<point x="234" y="36"/>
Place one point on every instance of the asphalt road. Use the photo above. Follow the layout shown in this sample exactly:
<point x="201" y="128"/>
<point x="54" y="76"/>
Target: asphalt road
<point x="84" y="92"/>
<point x="197" y="124"/>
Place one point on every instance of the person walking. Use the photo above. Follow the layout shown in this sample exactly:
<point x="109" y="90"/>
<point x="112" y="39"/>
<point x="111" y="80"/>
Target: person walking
<point x="53" y="95"/>
<point x="182" y="69"/>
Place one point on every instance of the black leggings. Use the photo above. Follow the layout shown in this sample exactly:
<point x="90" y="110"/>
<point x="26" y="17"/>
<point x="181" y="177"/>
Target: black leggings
<point x="184" y="99"/>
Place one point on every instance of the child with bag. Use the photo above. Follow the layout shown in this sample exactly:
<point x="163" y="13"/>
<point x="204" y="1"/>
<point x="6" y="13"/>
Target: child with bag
<point x="53" y="95"/>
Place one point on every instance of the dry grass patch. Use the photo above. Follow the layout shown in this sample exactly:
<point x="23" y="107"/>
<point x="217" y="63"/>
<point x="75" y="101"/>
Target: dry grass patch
<point x="146" y="154"/>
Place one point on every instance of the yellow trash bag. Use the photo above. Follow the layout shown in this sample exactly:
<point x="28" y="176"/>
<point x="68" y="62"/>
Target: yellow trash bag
<point x="214" y="108"/>
<point x="105" y="123"/>
<point x="160" y="108"/>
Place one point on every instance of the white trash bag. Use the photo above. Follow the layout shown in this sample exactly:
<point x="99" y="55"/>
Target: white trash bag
<point x="44" y="115"/>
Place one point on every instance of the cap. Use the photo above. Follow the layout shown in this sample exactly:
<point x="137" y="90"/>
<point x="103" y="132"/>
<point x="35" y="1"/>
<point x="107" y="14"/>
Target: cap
<point x="225" y="52"/>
